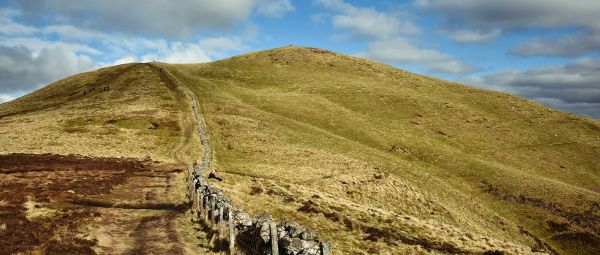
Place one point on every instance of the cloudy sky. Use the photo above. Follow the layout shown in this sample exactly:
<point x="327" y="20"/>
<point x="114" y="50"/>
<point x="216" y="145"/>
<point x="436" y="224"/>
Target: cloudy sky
<point x="545" y="50"/>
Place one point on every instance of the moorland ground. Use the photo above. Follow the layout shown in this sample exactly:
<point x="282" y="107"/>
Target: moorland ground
<point x="126" y="196"/>
<point x="377" y="159"/>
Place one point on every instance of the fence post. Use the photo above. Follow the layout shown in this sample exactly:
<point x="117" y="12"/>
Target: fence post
<point x="221" y="221"/>
<point x="198" y="203"/>
<point x="192" y="190"/>
<point x="189" y="188"/>
<point x="189" y="172"/>
<point x="206" y="210"/>
<point x="231" y="232"/>
<point x="212" y="213"/>
<point x="274" y="244"/>
<point x="193" y="198"/>
<point x="326" y="248"/>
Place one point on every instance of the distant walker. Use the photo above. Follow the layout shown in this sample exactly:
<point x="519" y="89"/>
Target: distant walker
<point x="213" y="175"/>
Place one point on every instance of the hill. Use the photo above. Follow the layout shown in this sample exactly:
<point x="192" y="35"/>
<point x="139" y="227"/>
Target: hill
<point x="377" y="159"/>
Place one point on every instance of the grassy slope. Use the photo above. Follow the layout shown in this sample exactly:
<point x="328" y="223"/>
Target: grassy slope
<point x="61" y="119"/>
<point x="138" y="117"/>
<point x="395" y="162"/>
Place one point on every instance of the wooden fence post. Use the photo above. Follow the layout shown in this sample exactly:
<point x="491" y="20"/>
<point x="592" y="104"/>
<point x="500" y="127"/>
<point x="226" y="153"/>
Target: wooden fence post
<point x="193" y="190"/>
<point x="221" y="221"/>
<point x="189" y="173"/>
<point x="189" y="189"/>
<point x="206" y="210"/>
<point x="213" y="215"/>
<point x="231" y="232"/>
<point x="198" y="203"/>
<point x="193" y="198"/>
<point x="274" y="244"/>
<point x="326" y="248"/>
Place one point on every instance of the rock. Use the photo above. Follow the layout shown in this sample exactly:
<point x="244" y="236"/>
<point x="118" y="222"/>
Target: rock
<point x="292" y="228"/>
<point x="291" y="246"/>
<point x="262" y="218"/>
<point x="308" y="234"/>
<point x="311" y="248"/>
<point x="288" y="224"/>
<point x="265" y="232"/>
<point x="281" y="233"/>
<point x="297" y="246"/>
<point x="296" y="231"/>
<point x="243" y="219"/>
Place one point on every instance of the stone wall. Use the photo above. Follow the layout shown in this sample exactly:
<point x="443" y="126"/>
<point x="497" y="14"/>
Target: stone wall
<point x="247" y="234"/>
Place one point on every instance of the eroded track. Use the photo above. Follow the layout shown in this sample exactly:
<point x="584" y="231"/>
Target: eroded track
<point x="82" y="205"/>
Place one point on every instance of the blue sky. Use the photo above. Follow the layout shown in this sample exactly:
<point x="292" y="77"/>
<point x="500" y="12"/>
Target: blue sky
<point x="545" y="50"/>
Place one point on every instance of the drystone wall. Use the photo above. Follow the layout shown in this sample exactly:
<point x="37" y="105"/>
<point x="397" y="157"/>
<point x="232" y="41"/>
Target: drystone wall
<point x="244" y="233"/>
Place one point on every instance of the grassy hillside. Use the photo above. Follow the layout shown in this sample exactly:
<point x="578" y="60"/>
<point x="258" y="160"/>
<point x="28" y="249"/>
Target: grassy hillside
<point x="121" y="111"/>
<point x="379" y="160"/>
<point x="99" y="203"/>
<point x="385" y="161"/>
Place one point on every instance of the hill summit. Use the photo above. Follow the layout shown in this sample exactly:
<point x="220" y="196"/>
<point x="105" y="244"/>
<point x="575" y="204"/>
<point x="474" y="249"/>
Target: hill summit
<point x="378" y="159"/>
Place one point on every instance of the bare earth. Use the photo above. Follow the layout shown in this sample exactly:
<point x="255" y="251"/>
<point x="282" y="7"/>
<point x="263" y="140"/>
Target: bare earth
<point x="55" y="204"/>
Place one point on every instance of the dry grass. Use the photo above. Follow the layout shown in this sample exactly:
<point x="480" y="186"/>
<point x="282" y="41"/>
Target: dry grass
<point x="401" y="162"/>
<point x="138" y="117"/>
<point x="36" y="212"/>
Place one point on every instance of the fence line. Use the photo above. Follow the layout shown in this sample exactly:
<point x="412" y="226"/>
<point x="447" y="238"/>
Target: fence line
<point x="249" y="235"/>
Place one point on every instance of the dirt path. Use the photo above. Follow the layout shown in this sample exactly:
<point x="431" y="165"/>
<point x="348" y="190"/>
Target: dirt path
<point x="171" y="81"/>
<point x="82" y="205"/>
<point x="149" y="213"/>
<point x="139" y="216"/>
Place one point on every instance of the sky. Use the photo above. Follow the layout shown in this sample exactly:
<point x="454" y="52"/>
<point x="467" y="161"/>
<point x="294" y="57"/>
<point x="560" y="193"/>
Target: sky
<point x="544" y="50"/>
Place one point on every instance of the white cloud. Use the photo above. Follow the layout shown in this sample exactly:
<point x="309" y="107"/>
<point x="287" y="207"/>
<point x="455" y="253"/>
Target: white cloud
<point x="274" y="8"/>
<point x="368" y="22"/>
<point x="205" y="50"/>
<point x="6" y="98"/>
<point x="22" y="69"/>
<point x="565" y="46"/>
<point x="74" y="33"/>
<point x="9" y="27"/>
<point x="471" y="35"/>
<point x="124" y="60"/>
<point x="155" y="17"/>
<point x="36" y="45"/>
<point x="573" y="87"/>
<point x="388" y="34"/>
<point x="218" y="45"/>
<point x="180" y="53"/>
<point x="518" y="13"/>
<point x="401" y="51"/>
